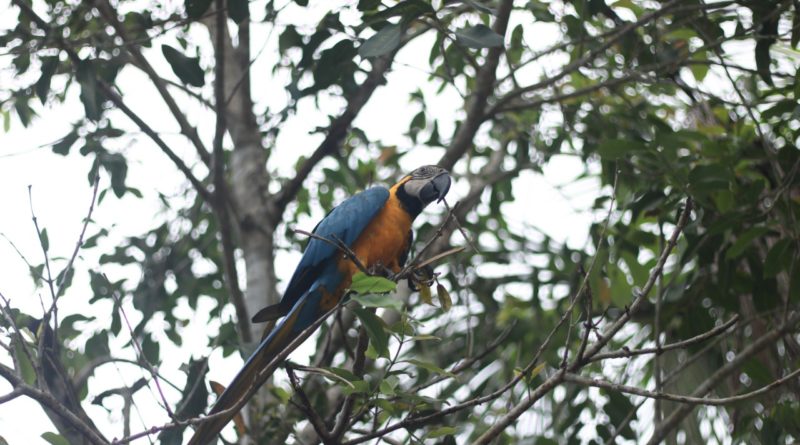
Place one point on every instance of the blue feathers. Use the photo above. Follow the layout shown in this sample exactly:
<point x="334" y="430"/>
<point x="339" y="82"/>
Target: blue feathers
<point x="345" y="222"/>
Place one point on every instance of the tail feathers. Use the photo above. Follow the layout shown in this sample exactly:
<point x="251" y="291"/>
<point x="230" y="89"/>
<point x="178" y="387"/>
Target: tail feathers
<point x="248" y="380"/>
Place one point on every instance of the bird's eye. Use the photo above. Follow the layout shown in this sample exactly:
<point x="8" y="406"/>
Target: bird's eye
<point x="426" y="171"/>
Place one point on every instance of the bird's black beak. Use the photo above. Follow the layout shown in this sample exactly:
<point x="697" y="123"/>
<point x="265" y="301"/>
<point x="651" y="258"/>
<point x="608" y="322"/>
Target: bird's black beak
<point x="437" y="188"/>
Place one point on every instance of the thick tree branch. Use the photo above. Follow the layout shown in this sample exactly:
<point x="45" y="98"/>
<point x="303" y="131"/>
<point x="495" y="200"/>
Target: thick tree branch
<point x="221" y="197"/>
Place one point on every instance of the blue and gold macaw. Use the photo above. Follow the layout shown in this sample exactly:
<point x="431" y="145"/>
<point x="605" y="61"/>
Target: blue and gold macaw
<point x="376" y="225"/>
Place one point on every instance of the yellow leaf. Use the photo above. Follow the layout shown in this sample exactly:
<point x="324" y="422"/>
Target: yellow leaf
<point x="425" y="293"/>
<point x="444" y="297"/>
<point x="238" y="420"/>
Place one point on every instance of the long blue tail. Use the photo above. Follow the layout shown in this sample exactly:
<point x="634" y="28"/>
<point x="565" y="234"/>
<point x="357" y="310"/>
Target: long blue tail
<point x="248" y="380"/>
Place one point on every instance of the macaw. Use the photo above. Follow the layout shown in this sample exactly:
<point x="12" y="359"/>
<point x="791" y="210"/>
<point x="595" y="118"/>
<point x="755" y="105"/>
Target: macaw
<point x="376" y="226"/>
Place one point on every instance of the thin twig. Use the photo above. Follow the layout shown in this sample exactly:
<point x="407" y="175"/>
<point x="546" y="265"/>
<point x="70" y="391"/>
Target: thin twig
<point x="310" y="412"/>
<point x="140" y="352"/>
<point x="341" y="246"/>
<point x="235" y="408"/>
<point x="627" y="353"/>
<point x="616" y="387"/>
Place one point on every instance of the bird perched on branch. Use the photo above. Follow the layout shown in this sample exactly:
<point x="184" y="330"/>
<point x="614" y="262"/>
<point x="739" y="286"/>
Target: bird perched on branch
<point x="375" y="227"/>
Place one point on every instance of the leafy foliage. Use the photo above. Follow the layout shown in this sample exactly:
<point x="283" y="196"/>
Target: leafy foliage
<point x="657" y="103"/>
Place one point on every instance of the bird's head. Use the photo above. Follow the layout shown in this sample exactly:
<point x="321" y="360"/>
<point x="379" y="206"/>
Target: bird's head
<point x="421" y="187"/>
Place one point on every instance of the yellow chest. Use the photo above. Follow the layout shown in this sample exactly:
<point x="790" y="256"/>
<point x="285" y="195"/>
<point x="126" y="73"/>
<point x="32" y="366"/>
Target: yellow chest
<point x="383" y="241"/>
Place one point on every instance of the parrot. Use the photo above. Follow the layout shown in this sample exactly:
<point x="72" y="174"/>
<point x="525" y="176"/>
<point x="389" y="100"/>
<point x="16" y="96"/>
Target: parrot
<point x="375" y="225"/>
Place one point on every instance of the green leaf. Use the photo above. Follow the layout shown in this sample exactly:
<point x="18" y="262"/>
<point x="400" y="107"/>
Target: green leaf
<point x="744" y="241"/>
<point x="430" y="367"/>
<point x="238" y="10"/>
<point x="778" y="258"/>
<point x="385" y="388"/>
<point x="343" y="373"/>
<point x="150" y="349"/>
<point x="62" y="147"/>
<point x="117" y="167"/>
<point x="444" y="297"/>
<point x="383" y="42"/>
<point x="26" y="369"/>
<point x="92" y="103"/>
<point x="408" y="10"/>
<point x="706" y="178"/>
<point x="479" y="36"/>
<point x="333" y="62"/>
<point x="441" y="431"/>
<point x="44" y="240"/>
<point x="289" y="38"/>
<point x="612" y="149"/>
<point x="186" y="68"/>
<point x="196" y="8"/>
<point x="763" y="58"/>
<point x="797" y="84"/>
<point x="54" y="439"/>
<point x="49" y="65"/>
<point x="379" y="300"/>
<point x="368" y="5"/>
<point x="794" y="285"/>
<point x="365" y="284"/>
<point x="374" y="327"/>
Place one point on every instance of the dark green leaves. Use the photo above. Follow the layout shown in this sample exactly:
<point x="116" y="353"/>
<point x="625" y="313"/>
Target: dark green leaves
<point x="54" y="439"/>
<point x="778" y="258"/>
<point x="479" y="36"/>
<point x="379" y="300"/>
<point x="90" y="96"/>
<point x="62" y="147"/>
<point x="744" y="241"/>
<point x="196" y="8"/>
<point x="383" y="42"/>
<point x="374" y="327"/>
<point x="49" y="65"/>
<point x="364" y="284"/>
<point x="333" y="63"/>
<point x="407" y="10"/>
<point x="117" y="167"/>
<point x="238" y="10"/>
<point x="612" y="149"/>
<point x="186" y="68"/>
<point x="767" y="31"/>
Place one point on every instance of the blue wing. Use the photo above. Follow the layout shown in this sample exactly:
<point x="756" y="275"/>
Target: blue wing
<point x="345" y="222"/>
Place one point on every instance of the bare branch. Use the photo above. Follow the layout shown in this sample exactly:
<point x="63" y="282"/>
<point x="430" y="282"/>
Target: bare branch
<point x="627" y="353"/>
<point x="310" y="412"/>
<point x="609" y="333"/>
<point x="752" y="349"/>
<point x="47" y="400"/>
<point x="573" y="378"/>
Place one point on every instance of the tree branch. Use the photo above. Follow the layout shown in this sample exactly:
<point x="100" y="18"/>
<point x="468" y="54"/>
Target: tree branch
<point x="676" y="416"/>
<point x="484" y="85"/>
<point x="111" y="15"/>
